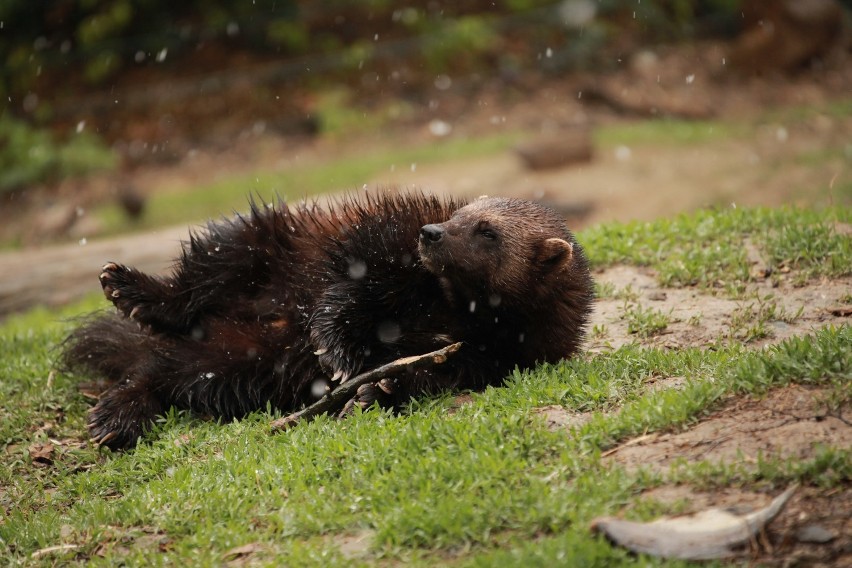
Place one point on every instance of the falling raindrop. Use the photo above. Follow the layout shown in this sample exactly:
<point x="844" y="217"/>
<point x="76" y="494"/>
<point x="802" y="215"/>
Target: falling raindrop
<point x="623" y="153"/>
<point x="440" y="128"/>
<point x="319" y="387"/>
<point x="80" y="126"/>
<point x="357" y="269"/>
<point x="443" y="82"/>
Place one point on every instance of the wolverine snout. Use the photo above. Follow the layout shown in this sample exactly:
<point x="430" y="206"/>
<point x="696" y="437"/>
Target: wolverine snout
<point x="431" y="233"/>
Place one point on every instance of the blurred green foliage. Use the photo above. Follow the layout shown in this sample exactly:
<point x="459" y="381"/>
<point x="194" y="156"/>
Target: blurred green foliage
<point x="94" y="39"/>
<point x="32" y="155"/>
<point x="52" y="48"/>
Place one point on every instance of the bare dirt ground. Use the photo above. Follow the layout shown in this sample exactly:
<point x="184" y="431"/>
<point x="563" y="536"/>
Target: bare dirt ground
<point x="789" y="423"/>
<point x="815" y="528"/>
<point x="699" y="319"/>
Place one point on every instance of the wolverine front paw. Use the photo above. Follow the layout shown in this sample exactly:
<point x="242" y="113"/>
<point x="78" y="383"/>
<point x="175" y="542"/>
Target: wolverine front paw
<point x="336" y="364"/>
<point x="120" y="287"/>
<point x="369" y="393"/>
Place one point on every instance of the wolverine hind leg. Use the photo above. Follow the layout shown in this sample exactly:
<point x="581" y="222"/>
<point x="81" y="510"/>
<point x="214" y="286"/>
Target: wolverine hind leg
<point x="124" y="413"/>
<point x="232" y="259"/>
<point x="115" y="349"/>
<point x="137" y="296"/>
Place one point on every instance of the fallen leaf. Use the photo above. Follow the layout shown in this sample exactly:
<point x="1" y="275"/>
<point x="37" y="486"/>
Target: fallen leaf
<point x="709" y="534"/>
<point x="41" y="453"/>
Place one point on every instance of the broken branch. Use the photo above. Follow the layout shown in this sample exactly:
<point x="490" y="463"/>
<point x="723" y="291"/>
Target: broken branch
<point x="338" y="397"/>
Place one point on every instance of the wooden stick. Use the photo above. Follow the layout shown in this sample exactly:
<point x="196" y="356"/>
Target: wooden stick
<point x="340" y="396"/>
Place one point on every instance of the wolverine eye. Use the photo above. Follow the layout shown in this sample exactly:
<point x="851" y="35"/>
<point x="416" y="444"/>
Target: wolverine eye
<point x="486" y="231"/>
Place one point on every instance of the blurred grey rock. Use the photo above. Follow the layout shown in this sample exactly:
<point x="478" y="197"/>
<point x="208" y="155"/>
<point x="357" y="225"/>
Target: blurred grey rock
<point x="557" y="149"/>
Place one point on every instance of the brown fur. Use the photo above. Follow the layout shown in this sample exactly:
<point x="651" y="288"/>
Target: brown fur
<point x="269" y="309"/>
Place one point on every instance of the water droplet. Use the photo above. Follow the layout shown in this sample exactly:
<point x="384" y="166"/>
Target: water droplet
<point x="472" y="306"/>
<point x="494" y="300"/>
<point x="690" y="78"/>
<point x="443" y="82"/>
<point x="623" y="153"/>
<point x="319" y="387"/>
<point x="440" y="128"/>
<point x="357" y="269"/>
<point x="82" y="242"/>
<point x="161" y="55"/>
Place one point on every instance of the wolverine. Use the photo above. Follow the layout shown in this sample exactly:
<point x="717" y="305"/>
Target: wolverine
<point x="274" y="307"/>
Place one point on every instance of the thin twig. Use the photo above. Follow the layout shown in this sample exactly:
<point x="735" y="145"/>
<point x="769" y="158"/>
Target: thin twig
<point x="337" y="398"/>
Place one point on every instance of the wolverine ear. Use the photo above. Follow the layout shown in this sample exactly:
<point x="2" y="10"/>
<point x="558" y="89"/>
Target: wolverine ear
<point x="555" y="253"/>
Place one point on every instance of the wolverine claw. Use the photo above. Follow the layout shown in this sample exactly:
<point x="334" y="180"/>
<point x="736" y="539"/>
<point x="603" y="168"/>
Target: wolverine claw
<point x="337" y="375"/>
<point x="347" y="408"/>
<point x="322" y="351"/>
<point x="104" y="440"/>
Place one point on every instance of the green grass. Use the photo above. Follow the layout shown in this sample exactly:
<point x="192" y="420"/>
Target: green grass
<point x="668" y="132"/>
<point x="644" y="322"/>
<point x="706" y="248"/>
<point x="488" y="484"/>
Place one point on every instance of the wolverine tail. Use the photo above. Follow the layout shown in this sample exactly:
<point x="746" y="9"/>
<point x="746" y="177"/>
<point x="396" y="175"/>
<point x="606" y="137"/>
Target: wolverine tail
<point x="104" y="345"/>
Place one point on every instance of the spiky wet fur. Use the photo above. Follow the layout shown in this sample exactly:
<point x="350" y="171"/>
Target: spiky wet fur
<point x="261" y="308"/>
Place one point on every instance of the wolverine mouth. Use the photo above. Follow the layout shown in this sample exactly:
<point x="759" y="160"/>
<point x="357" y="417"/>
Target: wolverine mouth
<point x="430" y="241"/>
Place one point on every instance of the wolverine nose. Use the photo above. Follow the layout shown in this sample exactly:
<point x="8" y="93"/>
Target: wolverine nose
<point x="431" y="233"/>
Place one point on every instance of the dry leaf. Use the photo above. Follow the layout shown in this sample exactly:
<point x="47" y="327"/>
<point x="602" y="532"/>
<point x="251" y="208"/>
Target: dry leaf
<point x="41" y="453"/>
<point x="713" y="533"/>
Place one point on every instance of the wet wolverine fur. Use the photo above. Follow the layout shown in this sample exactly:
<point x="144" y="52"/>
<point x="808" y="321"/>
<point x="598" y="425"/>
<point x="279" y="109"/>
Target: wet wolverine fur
<point x="273" y="307"/>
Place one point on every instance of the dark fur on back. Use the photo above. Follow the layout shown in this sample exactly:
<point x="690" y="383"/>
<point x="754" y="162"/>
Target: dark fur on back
<point x="270" y="307"/>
